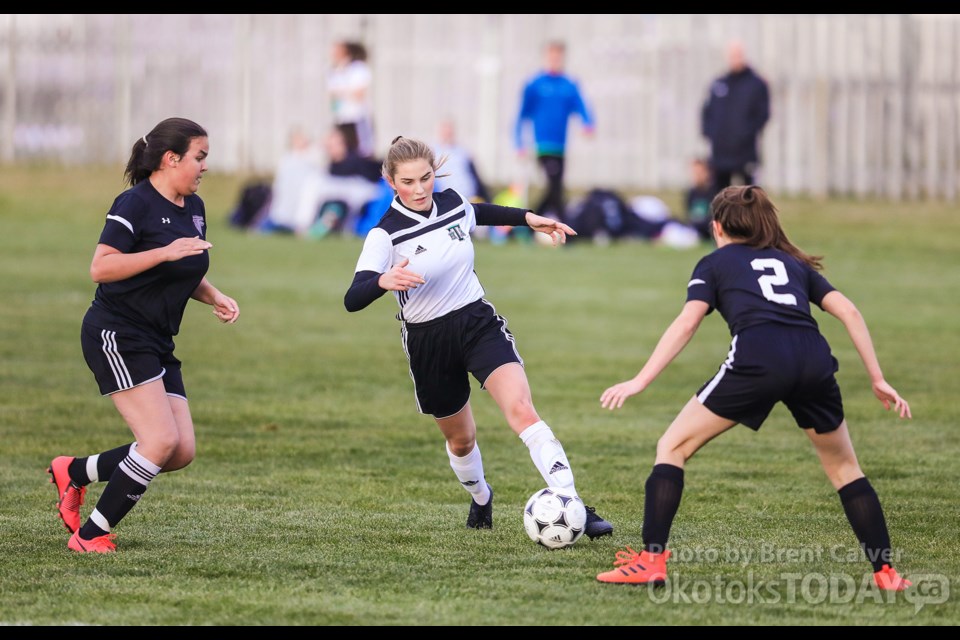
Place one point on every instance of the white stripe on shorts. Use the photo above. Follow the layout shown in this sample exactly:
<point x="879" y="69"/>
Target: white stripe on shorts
<point x="503" y="329"/>
<point x="117" y="365"/>
<point x="403" y="340"/>
<point x="727" y="364"/>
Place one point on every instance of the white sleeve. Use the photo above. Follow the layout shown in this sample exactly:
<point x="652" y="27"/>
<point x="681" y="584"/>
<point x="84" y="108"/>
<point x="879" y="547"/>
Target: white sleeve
<point x="357" y="76"/>
<point x="377" y="254"/>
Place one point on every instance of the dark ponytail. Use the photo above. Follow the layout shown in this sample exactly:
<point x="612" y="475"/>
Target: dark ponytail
<point x="747" y="214"/>
<point x="173" y="134"/>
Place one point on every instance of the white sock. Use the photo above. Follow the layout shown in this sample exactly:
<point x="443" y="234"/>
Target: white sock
<point x="469" y="471"/>
<point x="548" y="456"/>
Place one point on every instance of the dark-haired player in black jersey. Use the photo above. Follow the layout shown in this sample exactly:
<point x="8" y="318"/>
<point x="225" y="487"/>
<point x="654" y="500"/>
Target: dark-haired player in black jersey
<point x="422" y="251"/>
<point x="150" y="260"/>
<point x="762" y="285"/>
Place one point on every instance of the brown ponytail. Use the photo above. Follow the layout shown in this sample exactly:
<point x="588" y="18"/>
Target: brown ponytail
<point x="747" y="214"/>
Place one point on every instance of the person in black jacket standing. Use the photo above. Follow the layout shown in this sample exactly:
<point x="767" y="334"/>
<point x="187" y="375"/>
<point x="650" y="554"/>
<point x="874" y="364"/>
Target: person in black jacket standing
<point x="733" y="117"/>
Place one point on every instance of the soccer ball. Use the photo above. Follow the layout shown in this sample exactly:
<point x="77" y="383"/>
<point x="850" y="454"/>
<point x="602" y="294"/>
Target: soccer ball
<point x="554" y="518"/>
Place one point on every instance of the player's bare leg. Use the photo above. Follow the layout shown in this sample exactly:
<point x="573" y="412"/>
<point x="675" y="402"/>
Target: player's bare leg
<point x="460" y="432"/>
<point x="510" y="389"/>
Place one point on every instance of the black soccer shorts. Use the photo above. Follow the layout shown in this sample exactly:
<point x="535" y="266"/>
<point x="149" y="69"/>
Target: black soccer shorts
<point x="772" y="363"/>
<point x="473" y="339"/>
<point x="122" y="359"/>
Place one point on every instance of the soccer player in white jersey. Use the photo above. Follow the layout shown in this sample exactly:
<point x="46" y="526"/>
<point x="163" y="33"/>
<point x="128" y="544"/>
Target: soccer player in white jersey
<point x="421" y="251"/>
<point x="152" y="258"/>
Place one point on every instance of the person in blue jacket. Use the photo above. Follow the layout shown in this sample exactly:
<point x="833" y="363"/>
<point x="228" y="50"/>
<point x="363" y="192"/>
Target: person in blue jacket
<point x="549" y="100"/>
<point x="732" y="119"/>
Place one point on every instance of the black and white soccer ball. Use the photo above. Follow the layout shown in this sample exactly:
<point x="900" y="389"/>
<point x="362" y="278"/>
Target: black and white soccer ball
<point x="554" y="518"/>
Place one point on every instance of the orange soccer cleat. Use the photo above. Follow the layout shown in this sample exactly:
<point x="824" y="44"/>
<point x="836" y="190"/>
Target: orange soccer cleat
<point x="637" y="568"/>
<point x="888" y="579"/>
<point x="100" y="544"/>
<point x="69" y="494"/>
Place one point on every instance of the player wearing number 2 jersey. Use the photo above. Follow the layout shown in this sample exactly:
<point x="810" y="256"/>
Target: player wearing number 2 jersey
<point x="763" y="286"/>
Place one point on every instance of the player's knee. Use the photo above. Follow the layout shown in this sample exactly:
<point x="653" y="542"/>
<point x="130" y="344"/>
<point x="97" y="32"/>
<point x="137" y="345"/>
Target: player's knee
<point x="189" y="453"/>
<point x="159" y="448"/>
<point x="185" y="453"/>
<point x="673" y="452"/>
<point x="520" y="413"/>
<point x="461" y="446"/>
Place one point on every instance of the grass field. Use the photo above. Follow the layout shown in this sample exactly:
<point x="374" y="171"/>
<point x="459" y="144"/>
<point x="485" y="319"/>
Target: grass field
<point x="319" y="495"/>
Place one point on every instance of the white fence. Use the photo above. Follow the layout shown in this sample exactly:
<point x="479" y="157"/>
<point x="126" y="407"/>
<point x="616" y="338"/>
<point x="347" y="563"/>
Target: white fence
<point x="862" y="105"/>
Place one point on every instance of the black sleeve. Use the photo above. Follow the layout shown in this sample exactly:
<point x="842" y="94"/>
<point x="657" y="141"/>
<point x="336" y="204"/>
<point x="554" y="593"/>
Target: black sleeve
<point x="494" y="214"/>
<point x="363" y="291"/>
<point x="482" y="192"/>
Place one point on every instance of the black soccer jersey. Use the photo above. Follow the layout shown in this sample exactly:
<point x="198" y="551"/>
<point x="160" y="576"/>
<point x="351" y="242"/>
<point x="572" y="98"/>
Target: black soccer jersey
<point x="751" y="286"/>
<point x="154" y="300"/>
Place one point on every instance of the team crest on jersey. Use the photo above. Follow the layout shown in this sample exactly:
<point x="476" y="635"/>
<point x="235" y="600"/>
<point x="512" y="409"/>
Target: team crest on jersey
<point x="456" y="233"/>
<point x="198" y="223"/>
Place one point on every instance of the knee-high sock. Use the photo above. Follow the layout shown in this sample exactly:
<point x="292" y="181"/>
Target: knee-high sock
<point x="83" y="471"/>
<point x="548" y="456"/>
<point x="127" y="484"/>
<point x="862" y="506"/>
<point x="660" y="503"/>
<point x="469" y="471"/>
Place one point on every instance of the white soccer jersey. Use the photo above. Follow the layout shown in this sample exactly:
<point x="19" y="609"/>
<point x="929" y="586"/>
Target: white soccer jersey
<point x="439" y="248"/>
<point x="344" y="83"/>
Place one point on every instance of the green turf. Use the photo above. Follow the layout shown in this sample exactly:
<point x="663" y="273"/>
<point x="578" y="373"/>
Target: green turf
<point x="320" y="497"/>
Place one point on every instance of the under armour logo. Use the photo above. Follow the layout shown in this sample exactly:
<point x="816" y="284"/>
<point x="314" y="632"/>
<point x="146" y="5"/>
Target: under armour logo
<point x="165" y="220"/>
<point x="557" y="467"/>
<point x="419" y="250"/>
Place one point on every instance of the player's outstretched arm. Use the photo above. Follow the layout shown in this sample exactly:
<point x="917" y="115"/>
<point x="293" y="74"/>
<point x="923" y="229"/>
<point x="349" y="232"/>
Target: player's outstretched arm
<point x="839" y="306"/>
<point x="671" y="343"/>
<point x="557" y="231"/>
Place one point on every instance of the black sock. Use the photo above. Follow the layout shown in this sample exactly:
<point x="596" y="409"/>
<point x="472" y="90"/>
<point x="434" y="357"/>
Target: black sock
<point x="661" y="501"/>
<point x="106" y="464"/>
<point x="127" y="485"/>
<point x="862" y="506"/>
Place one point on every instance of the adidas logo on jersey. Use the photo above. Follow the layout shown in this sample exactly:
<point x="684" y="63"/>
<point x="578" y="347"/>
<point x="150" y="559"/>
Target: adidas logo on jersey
<point x="419" y="250"/>
<point x="558" y="466"/>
